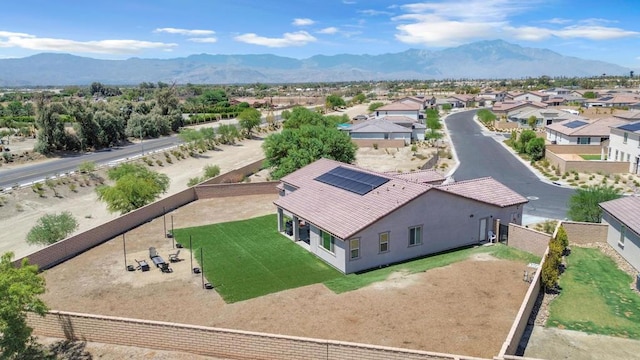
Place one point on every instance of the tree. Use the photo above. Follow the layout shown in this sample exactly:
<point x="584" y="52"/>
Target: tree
<point x="249" y="119"/>
<point x="535" y="148"/>
<point x="589" y="95"/>
<point x="375" y="105"/>
<point x="294" y="148"/>
<point x="135" y="186"/>
<point x="52" y="228"/>
<point x="486" y="116"/>
<point x="532" y="121"/>
<point x="19" y="291"/>
<point x="334" y="101"/>
<point x="583" y="205"/>
<point x="228" y="133"/>
<point x="524" y="139"/>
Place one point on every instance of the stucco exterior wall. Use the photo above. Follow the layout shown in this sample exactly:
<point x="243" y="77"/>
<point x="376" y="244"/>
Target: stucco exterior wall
<point x="630" y="247"/>
<point x="447" y="221"/>
<point x="379" y="143"/>
<point x="335" y="259"/>
<point x="408" y="113"/>
<point x="631" y="148"/>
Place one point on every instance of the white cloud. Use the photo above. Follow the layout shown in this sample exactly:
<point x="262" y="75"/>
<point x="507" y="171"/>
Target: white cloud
<point x="6" y="34"/>
<point x="558" y="21"/>
<point x="372" y="12"/>
<point x="450" y="23"/>
<point x="570" y="32"/>
<point x="99" y="47"/>
<point x="302" y="22"/>
<point x="347" y="2"/>
<point x="185" y="32"/>
<point x="328" y="30"/>
<point x="298" y="38"/>
<point x="208" y="40"/>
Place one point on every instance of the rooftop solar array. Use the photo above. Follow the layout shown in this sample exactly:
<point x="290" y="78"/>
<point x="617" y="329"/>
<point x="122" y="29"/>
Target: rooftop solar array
<point x="606" y="98"/>
<point x="575" y="124"/>
<point x="355" y="181"/>
<point x="630" y="127"/>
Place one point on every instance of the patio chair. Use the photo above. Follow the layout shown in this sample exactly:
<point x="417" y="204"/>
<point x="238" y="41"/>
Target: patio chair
<point x="492" y="236"/>
<point x="174" y="257"/>
<point x="165" y="268"/>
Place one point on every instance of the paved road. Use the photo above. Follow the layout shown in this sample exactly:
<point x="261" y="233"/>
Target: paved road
<point x="482" y="155"/>
<point x="29" y="173"/>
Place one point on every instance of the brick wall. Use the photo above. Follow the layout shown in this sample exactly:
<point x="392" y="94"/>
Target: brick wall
<point x="581" y="233"/>
<point x="529" y="240"/>
<point x="504" y="125"/>
<point x="575" y="149"/>
<point x="607" y="167"/>
<point x="74" y="245"/>
<point x="236" y="175"/>
<point x="232" y="344"/>
<point x="239" y="189"/>
<point x="382" y="144"/>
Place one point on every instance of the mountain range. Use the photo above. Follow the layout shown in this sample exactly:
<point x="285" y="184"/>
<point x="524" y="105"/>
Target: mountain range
<point x="494" y="59"/>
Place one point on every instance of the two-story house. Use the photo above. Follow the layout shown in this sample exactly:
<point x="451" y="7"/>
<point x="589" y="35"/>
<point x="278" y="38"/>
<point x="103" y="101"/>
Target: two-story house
<point x="624" y="145"/>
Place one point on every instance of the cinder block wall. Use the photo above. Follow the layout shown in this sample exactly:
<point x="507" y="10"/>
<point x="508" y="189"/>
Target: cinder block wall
<point x="225" y="343"/>
<point x="240" y="189"/>
<point x="529" y="240"/>
<point x="580" y="233"/>
<point x="381" y="143"/>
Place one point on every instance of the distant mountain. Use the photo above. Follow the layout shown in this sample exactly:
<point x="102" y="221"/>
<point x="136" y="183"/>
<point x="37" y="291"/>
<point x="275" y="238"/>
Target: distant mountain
<point x="495" y="59"/>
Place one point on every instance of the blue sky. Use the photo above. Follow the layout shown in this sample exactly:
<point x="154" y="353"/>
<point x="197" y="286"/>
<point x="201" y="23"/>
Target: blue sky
<point x="118" y="29"/>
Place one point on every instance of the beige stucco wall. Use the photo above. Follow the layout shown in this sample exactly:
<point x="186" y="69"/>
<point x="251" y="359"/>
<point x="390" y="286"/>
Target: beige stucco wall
<point x="580" y="233"/>
<point x="528" y="240"/>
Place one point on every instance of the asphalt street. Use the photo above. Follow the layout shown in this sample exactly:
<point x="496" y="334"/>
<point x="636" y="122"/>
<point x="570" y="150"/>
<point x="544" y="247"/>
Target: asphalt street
<point x="481" y="155"/>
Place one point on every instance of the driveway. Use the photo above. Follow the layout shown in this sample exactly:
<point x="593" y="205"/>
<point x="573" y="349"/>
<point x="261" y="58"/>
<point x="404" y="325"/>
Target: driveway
<point x="482" y="155"/>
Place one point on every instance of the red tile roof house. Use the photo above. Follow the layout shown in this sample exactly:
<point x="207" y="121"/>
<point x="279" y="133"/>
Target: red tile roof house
<point x="581" y="131"/>
<point x="409" y="109"/>
<point x="623" y="217"/>
<point x="355" y="219"/>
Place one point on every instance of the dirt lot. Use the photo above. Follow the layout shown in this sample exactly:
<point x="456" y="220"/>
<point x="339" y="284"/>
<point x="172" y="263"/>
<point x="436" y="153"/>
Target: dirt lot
<point x="405" y="311"/>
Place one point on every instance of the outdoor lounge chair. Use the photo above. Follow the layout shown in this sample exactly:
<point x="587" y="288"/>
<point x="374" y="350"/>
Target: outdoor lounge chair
<point x="165" y="268"/>
<point x="492" y="236"/>
<point x="174" y="257"/>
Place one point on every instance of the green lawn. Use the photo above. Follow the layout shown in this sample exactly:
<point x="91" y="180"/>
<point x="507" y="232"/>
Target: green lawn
<point x="595" y="297"/>
<point x="590" y="157"/>
<point x="247" y="259"/>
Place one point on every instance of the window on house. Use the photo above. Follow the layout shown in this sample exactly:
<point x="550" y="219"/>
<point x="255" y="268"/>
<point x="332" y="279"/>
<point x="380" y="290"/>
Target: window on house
<point x="415" y="235"/>
<point x="327" y="241"/>
<point x="626" y="137"/>
<point x="616" y="155"/>
<point x="628" y="157"/>
<point x="623" y="233"/>
<point x="383" y="241"/>
<point x="584" y="140"/>
<point x="354" y="246"/>
<point x="609" y="153"/>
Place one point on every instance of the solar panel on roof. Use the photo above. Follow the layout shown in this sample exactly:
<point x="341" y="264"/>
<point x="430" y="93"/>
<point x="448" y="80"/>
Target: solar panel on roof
<point x="630" y="127"/>
<point x="606" y="98"/>
<point x="574" y="124"/>
<point x="355" y="181"/>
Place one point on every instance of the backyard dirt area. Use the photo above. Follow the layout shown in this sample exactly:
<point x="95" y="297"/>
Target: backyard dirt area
<point x="465" y="308"/>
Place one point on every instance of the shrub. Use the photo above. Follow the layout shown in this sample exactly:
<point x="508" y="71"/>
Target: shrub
<point x="562" y="237"/>
<point x="375" y="146"/>
<point x="87" y="167"/>
<point x="159" y="162"/>
<point x="194" y="181"/>
<point x="211" y="171"/>
<point x="550" y="274"/>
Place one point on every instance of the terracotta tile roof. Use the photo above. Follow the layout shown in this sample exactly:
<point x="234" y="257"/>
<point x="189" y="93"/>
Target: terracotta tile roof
<point x="421" y="177"/>
<point x="512" y="105"/>
<point x="599" y="127"/>
<point x="339" y="211"/>
<point x="343" y="213"/>
<point x="399" y="106"/>
<point x="377" y="126"/>
<point x="628" y="114"/>
<point x="487" y="190"/>
<point x="399" y="119"/>
<point x="626" y="210"/>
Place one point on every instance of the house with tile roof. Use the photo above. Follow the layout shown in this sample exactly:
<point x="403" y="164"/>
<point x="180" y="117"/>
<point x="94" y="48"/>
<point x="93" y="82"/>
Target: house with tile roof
<point x="613" y="100"/>
<point x="581" y="131"/>
<point x="532" y="96"/>
<point x="621" y="215"/>
<point x="544" y="116"/>
<point x="507" y="106"/>
<point x="409" y="109"/>
<point x="356" y="219"/>
<point x="380" y="129"/>
<point x="624" y="144"/>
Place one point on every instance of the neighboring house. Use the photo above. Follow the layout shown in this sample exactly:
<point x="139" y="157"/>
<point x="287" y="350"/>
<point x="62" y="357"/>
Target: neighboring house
<point x="504" y="108"/>
<point x="430" y="176"/>
<point x="459" y="101"/>
<point x="355" y="219"/>
<point x="613" y="100"/>
<point x="543" y="116"/>
<point x="624" y="145"/>
<point x="624" y="227"/>
<point x="380" y="129"/>
<point x="557" y="91"/>
<point x="409" y="109"/>
<point x="532" y="96"/>
<point x="424" y="101"/>
<point x="629" y="115"/>
<point x="416" y="126"/>
<point x="488" y="97"/>
<point x="581" y="131"/>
